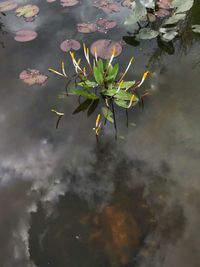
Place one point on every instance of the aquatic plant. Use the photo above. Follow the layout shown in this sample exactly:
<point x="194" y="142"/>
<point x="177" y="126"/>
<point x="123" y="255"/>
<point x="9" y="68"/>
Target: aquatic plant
<point x="100" y="80"/>
<point x="163" y="18"/>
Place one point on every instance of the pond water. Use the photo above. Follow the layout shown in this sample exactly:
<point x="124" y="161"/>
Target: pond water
<point x="66" y="200"/>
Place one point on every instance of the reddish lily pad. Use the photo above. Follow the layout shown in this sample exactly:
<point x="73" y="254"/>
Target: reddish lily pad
<point x="70" y="44"/>
<point x="25" y="35"/>
<point x="107" y="7"/>
<point x="106" y="24"/>
<point x="86" y="27"/>
<point x="8" y="5"/>
<point x="161" y="13"/>
<point x="127" y="3"/>
<point x="68" y="3"/>
<point x="165" y="4"/>
<point x="27" y="11"/>
<point x="32" y="77"/>
<point x="104" y="48"/>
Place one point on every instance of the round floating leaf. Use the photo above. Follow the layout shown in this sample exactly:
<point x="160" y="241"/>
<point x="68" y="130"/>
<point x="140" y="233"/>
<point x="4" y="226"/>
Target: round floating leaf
<point x="27" y="11"/>
<point x="25" y="35"/>
<point x="107" y="7"/>
<point x="68" y="3"/>
<point x="106" y="24"/>
<point x="32" y="77"/>
<point x="86" y="27"/>
<point x="182" y="5"/>
<point x="8" y="5"/>
<point x="104" y="48"/>
<point x="164" y="4"/>
<point x="70" y="44"/>
<point x="127" y="3"/>
<point x="147" y="33"/>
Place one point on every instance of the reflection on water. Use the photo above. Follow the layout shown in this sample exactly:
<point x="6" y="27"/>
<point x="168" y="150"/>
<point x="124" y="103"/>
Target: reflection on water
<point x="123" y="230"/>
<point x="66" y="200"/>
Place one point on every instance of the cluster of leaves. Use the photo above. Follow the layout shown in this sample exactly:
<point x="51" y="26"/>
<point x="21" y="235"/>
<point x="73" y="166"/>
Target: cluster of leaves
<point x="103" y="81"/>
<point x="166" y="28"/>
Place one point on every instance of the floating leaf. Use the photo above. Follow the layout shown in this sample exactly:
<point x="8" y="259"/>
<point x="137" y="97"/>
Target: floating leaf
<point x="147" y="33"/>
<point x="106" y="24"/>
<point x="107" y="7"/>
<point x="84" y="93"/>
<point x="69" y="3"/>
<point x="182" y="5"/>
<point x="108" y="114"/>
<point x="104" y="48"/>
<point x="175" y="19"/>
<point x="32" y="77"/>
<point x="8" y="5"/>
<point x="86" y="27"/>
<point x="148" y="3"/>
<point x="196" y="28"/>
<point x="25" y="35"/>
<point x="70" y="44"/>
<point x="27" y="11"/>
<point x="138" y="12"/>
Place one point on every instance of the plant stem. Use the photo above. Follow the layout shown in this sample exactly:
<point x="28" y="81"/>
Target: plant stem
<point x="115" y="124"/>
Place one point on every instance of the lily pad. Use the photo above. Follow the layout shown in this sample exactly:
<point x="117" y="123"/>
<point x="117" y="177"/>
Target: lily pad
<point x="86" y="27"/>
<point x="106" y="6"/>
<point x="27" y="11"/>
<point x="32" y="77"/>
<point x="104" y="48"/>
<point x="8" y="5"/>
<point x="127" y="3"/>
<point x="106" y="24"/>
<point x="70" y="44"/>
<point x="25" y="35"/>
<point x="68" y="3"/>
<point x="147" y="33"/>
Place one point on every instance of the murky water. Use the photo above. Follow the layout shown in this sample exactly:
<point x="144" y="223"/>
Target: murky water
<point x="66" y="200"/>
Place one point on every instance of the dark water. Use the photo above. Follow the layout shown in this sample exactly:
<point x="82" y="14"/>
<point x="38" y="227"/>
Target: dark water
<point x="66" y="200"/>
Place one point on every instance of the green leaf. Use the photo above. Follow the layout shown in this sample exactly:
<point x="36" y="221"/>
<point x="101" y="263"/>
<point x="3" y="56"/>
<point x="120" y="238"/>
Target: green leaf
<point x="109" y="92"/>
<point x="108" y="114"/>
<point x="128" y="84"/>
<point x="138" y="12"/>
<point x="98" y="75"/>
<point x="100" y="66"/>
<point x="121" y="103"/>
<point x="147" y="33"/>
<point x="175" y="19"/>
<point x="93" y="107"/>
<point x="88" y="83"/>
<point x="182" y="5"/>
<point x="84" y="93"/>
<point x="112" y="73"/>
<point x="196" y="28"/>
<point x="122" y="95"/>
<point x="83" y="106"/>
